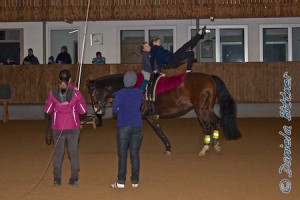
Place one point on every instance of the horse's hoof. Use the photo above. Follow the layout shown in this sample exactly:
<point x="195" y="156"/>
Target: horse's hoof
<point x="201" y="153"/>
<point x="167" y="153"/>
<point x="218" y="148"/>
<point x="204" y="151"/>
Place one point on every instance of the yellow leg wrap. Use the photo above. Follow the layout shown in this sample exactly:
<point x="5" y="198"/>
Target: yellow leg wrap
<point x="207" y="139"/>
<point x="216" y="134"/>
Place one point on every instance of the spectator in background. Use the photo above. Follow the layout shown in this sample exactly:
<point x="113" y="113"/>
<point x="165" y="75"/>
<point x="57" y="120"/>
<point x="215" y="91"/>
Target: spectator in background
<point x="30" y="59"/>
<point x="64" y="57"/>
<point x="51" y="60"/>
<point x="99" y="59"/>
<point x="9" y="61"/>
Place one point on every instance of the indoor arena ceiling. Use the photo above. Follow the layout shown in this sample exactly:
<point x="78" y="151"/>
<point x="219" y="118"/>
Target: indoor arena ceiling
<point x="75" y="10"/>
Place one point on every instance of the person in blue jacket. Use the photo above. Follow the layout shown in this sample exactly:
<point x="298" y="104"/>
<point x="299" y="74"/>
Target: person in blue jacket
<point x="161" y="56"/>
<point x="127" y="104"/>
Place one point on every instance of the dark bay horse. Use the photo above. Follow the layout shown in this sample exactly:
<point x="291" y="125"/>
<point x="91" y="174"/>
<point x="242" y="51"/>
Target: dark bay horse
<point x="198" y="91"/>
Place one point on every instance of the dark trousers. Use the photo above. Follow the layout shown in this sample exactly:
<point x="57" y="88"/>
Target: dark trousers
<point x="71" y="136"/>
<point x="185" y="52"/>
<point x="129" y="138"/>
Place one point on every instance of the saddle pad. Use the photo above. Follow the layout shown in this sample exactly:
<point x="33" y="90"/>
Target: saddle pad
<point x="164" y="83"/>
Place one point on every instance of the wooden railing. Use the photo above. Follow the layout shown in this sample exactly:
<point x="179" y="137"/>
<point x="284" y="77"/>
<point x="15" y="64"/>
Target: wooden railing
<point x="59" y="10"/>
<point x="247" y="82"/>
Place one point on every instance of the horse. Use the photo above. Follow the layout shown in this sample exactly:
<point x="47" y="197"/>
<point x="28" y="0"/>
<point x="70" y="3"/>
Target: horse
<point x="198" y="91"/>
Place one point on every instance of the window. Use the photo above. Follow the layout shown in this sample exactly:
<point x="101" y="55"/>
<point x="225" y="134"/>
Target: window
<point x="130" y="44"/>
<point x="131" y="39"/>
<point x="232" y="45"/>
<point x="64" y="37"/>
<point x="296" y="43"/>
<point x="223" y="44"/>
<point x="280" y="42"/>
<point x="207" y="46"/>
<point x="11" y="45"/>
<point x="275" y="44"/>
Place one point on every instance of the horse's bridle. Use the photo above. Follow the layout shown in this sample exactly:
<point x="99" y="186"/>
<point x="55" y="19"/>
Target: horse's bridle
<point x="100" y="101"/>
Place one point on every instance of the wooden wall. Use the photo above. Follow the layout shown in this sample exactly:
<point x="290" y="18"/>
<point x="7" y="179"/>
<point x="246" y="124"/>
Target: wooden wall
<point x="247" y="82"/>
<point x="59" y="10"/>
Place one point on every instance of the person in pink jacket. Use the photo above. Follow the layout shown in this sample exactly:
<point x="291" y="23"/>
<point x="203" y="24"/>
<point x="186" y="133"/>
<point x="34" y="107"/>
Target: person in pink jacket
<point x="65" y="103"/>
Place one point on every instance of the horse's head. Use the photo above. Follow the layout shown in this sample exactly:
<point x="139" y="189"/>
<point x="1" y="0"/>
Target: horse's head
<point x="101" y="96"/>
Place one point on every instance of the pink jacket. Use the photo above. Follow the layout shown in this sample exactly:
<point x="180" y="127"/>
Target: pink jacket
<point x="65" y="115"/>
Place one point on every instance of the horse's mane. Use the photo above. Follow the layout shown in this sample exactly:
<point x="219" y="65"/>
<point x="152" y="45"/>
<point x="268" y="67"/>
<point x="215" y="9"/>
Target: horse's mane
<point x="104" y="78"/>
<point x="109" y="80"/>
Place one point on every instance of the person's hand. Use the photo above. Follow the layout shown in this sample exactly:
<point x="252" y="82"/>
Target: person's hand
<point x="155" y="71"/>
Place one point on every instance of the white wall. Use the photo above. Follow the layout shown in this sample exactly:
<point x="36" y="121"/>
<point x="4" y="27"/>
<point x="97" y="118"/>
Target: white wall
<point x="110" y="49"/>
<point x="33" y="36"/>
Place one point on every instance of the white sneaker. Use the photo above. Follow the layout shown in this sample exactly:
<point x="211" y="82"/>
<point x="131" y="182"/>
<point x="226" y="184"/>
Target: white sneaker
<point x="117" y="185"/>
<point x="135" y="185"/>
<point x="188" y="71"/>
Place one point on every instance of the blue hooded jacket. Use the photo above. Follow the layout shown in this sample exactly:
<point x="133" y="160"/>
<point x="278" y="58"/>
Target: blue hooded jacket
<point x="127" y="104"/>
<point x="159" y="54"/>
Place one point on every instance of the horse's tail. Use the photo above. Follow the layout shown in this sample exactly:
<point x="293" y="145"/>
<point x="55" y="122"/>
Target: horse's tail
<point x="228" y="110"/>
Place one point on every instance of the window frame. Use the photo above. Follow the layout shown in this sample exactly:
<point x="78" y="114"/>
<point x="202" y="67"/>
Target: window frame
<point x="218" y="42"/>
<point x="289" y="43"/>
<point x="48" y="45"/>
<point x="21" y="41"/>
<point x="146" y="30"/>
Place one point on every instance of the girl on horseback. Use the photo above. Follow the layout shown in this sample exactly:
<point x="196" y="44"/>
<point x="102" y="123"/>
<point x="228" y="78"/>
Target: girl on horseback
<point x="165" y="57"/>
<point x="147" y="69"/>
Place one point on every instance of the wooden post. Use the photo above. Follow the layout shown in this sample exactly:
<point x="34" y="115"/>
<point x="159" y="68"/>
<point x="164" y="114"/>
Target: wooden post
<point x="198" y="44"/>
<point x="5" y="111"/>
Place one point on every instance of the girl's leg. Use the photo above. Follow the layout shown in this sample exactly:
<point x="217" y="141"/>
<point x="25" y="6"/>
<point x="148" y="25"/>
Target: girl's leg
<point x="58" y="153"/>
<point x="123" y="137"/>
<point x="72" y="139"/>
<point x="189" y="45"/>
<point x="146" y="80"/>
<point x="134" y="146"/>
<point x="192" y="43"/>
<point x="177" y="59"/>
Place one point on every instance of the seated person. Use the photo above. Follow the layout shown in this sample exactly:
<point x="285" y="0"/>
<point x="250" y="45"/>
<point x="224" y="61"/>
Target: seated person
<point x="51" y="60"/>
<point x="9" y="61"/>
<point x="64" y="57"/>
<point x="98" y="59"/>
<point x="30" y="59"/>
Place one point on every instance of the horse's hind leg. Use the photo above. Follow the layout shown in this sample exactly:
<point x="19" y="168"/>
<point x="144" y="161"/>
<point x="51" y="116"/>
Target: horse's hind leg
<point x="153" y="121"/>
<point x="216" y="133"/>
<point x="204" y="119"/>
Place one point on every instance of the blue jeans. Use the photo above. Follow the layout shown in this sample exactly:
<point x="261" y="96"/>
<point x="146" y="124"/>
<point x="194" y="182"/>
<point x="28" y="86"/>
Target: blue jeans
<point x="71" y="136"/>
<point x="129" y="137"/>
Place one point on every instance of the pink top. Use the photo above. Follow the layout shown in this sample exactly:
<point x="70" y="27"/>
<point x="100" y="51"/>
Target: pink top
<point x="65" y="115"/>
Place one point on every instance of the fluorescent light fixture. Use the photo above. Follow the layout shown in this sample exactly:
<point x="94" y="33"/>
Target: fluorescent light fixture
<point x="76" y="30"/>
<point x="68" y="21"/>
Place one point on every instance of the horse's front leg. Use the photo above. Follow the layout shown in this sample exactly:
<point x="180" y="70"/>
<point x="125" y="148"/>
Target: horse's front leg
<point x="153" y="121"/>
<point x="100" y="121"/>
